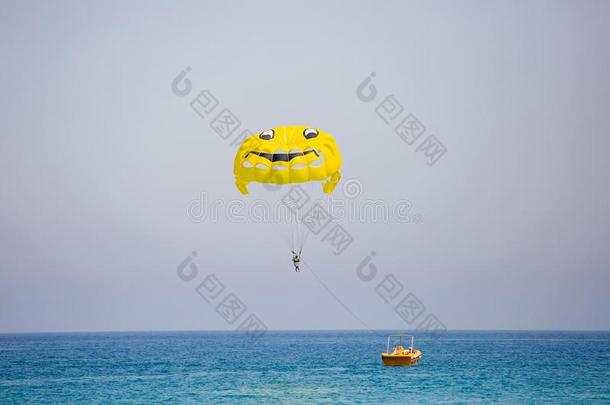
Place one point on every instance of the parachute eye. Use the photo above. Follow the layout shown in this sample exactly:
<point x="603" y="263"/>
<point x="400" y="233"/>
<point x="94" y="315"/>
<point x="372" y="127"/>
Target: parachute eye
<point x="310" y="133"/>
<point x="267" y="135"/>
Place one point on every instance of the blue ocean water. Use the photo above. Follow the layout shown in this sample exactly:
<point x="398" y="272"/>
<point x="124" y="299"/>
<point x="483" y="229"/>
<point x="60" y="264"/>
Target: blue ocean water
<point x="303" y="367"/>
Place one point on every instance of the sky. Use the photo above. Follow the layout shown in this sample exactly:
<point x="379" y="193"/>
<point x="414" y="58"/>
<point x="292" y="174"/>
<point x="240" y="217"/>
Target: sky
<point x="111" y="164"/>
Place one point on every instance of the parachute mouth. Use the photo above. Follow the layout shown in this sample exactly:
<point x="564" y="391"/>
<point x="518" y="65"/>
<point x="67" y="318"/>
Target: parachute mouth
<point x="281" y="157"/>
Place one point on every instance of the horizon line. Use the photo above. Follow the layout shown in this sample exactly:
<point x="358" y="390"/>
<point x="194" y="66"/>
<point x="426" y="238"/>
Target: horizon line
<point x="294" y="330"/>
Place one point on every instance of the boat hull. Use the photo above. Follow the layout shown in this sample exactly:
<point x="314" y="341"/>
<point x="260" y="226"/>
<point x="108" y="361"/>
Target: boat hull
<point x="400" y="360"/>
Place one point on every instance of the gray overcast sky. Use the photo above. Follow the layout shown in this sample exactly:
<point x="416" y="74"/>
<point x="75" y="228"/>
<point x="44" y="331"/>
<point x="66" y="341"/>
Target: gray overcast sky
<point x="100" y="160"/>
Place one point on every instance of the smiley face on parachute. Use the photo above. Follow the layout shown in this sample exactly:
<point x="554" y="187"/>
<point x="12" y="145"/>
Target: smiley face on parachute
<point x="285" y="155"/>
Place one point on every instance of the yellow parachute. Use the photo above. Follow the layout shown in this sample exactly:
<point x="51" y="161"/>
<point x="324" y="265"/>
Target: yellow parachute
<point x="291" y="154"/>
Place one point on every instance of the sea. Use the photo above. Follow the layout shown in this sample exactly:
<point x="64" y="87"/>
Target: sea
<point x="312" y="367"/>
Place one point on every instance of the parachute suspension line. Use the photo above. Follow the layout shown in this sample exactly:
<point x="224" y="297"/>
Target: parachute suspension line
<point x="296" y="230"/>
<point x="304" y="237"/>
<point x="303" y="231"/>
<point x="311" y="189"/>
<point x="279" y="228"/>
<point x="301" y="227"/>
<point x="307" y="229"/>
<point x="291" y="223"/>
<point x="291" y="227"/>
<point x="283" y="228"/>
<point x="288" y="225"/>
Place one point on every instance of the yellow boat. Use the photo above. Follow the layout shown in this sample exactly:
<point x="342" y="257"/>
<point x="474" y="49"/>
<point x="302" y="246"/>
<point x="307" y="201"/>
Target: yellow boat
<point x="401" y="356"/>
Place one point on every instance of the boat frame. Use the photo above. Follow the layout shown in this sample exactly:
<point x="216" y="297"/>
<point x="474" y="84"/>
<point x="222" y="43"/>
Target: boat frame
<point x="400" y="341"/>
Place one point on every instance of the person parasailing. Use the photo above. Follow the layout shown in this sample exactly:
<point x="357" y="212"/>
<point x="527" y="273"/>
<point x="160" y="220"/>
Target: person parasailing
<point x="296" y="260"/>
